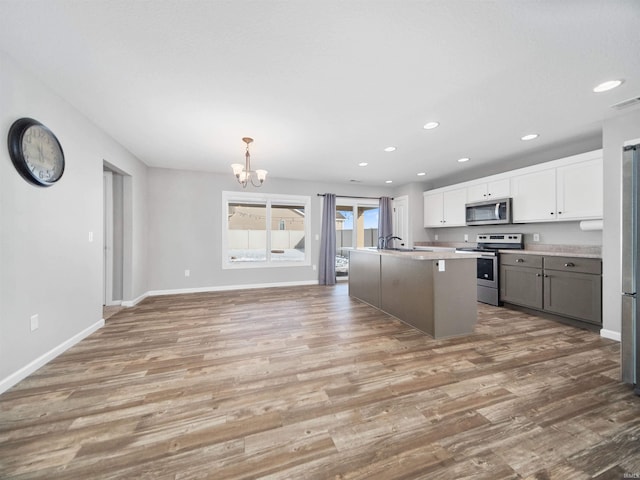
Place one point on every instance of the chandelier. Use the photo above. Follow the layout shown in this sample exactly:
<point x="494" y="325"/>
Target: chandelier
<point x="244" y="174"/>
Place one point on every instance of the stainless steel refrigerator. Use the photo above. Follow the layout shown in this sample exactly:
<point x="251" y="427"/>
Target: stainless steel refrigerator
<point x="630" y="327"/>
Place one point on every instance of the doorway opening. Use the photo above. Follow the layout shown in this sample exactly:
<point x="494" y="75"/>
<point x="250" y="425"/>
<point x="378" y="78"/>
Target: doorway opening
<point x="113" y="239"/>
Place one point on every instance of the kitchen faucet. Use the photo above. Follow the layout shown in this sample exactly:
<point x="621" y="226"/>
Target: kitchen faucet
<point x="390" y="238"/>
<point x="385" y="241"/>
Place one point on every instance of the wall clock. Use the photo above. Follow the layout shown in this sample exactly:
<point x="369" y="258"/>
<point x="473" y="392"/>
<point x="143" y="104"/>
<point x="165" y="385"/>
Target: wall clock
<point x="35" y="152"/>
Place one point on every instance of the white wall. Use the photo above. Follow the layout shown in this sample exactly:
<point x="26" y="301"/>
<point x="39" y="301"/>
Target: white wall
<point x="48" y="265"/>
<point x="185" y="229"/>
<point x="615" y="132"/>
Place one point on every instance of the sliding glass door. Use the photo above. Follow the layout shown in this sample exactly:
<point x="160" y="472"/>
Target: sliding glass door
<point x="356" y="227"/>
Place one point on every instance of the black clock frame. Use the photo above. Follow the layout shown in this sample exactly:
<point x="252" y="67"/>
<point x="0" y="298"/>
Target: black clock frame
<point x="14" y="140"/>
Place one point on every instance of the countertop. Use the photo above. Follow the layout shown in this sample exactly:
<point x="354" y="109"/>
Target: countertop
<point x="420" y="254"/>
<point x="552" y="253"/>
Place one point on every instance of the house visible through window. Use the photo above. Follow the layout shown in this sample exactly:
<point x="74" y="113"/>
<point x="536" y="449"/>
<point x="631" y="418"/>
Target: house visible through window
<point x="265" y="230"/>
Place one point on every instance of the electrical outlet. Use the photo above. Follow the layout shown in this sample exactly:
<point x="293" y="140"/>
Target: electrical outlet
<point x="187" y="273"/>
<point x="466" y="237"/>
<point x="314" y="268"/>
<point x="536" y="237"/>
<point x="436" y="236"/>
<point x="35" y="322"/>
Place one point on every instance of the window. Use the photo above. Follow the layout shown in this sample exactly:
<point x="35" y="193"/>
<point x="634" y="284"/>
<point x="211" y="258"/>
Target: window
<point x="264" y="230"/>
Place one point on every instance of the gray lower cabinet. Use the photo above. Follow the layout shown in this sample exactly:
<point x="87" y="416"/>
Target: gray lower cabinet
<point x="521" y="280"/>
<point x="573" y="288"/>
<point x="566" y="286"/>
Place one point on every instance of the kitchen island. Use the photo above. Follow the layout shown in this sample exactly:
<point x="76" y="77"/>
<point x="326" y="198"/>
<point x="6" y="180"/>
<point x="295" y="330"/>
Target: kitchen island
<point x="434" y="292"/>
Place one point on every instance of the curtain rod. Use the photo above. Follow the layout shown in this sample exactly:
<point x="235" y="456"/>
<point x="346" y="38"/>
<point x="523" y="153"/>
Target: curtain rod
<point x="353" y="196"/>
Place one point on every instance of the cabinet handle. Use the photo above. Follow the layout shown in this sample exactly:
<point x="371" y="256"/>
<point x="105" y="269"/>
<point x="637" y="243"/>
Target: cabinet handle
<point x="546" y="276"/>
<point x="559" y="213"/>
<point x="551" y="213"/>
<point x="570" y="264"/>
<point x="538" y="274"/>
<point x="519" y="260"/>
<point x="488" y="194"/>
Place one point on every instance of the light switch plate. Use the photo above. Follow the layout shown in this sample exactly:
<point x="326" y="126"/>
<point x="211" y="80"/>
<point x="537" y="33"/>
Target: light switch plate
<point x="441" y="265"/>
<point x="536" y="237"/>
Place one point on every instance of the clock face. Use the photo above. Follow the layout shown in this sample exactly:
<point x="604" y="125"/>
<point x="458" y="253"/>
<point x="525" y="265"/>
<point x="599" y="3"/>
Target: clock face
<point x="42" y="154"/>
<point x="36" y="152"/>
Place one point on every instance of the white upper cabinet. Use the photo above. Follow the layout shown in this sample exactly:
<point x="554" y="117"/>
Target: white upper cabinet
<point x="489" y="190"/>
<point x="445" y="208"/>
<point x="579" y="190"/>
<point x="453" y="207"/>
<point x="534" y="196"/>
<point x="433" y="209"/>
<point x="567" y="192"/>
<point x="570" y="188"/>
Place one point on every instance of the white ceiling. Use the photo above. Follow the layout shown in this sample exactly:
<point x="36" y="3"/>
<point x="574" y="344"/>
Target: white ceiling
<point x="323" y="85"/>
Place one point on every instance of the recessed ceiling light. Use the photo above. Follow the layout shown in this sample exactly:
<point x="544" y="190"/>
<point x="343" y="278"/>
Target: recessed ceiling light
<point x="464" y="159"/>
<point x="422" y="174"/>
<point x="363" y="164"/>
<point x="390" y="149"/>
<point x="608" y="85"/>
<point x="388" y="181"/>
<point x="430" y="125"/>
<point x="530" y="136"/>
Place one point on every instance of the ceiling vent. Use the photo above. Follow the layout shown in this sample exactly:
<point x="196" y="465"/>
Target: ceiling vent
<point x="626" y="103"/>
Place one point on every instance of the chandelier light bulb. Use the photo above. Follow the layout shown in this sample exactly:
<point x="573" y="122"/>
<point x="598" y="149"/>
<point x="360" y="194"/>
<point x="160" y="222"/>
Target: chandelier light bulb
<point x="244" y="174"/>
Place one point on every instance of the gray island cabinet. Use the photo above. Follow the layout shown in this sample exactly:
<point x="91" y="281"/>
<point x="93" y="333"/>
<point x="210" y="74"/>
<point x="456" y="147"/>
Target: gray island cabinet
<point x="434" y="292"/>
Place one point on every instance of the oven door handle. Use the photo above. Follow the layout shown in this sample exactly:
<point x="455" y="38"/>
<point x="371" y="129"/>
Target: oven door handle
<point x="497" y="211"/>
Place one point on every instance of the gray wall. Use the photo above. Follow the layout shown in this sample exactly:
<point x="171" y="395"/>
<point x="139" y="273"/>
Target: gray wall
<point x="535" y="156"/>
<point x="185" y="229"/>
<point x="562" y="233"/>
<point x="615" y="132"/>
<point x="118" y="235"/>
<point x="48" y="265"/>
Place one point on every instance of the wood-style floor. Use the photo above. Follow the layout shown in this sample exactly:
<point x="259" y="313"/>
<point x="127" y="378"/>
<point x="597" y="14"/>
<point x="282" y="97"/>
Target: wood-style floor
<point x="297" y="383"/>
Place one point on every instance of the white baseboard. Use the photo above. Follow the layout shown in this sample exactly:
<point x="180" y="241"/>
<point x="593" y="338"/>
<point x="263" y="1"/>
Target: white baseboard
<point x="135" y="301"/>
<point x="224" y="288"/>
<point x="11" y="380"/>
<point x="610" y="334"/>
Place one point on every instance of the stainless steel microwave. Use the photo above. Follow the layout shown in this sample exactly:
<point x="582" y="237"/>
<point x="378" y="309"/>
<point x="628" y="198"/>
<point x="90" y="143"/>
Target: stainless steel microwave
<point x="489" y="212"/>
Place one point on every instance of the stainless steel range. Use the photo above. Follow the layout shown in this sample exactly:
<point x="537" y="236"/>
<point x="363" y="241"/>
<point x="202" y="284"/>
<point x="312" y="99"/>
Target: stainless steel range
<point x="488" y="272"/>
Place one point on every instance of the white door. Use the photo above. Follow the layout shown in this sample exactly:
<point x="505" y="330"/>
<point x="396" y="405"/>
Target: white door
<point x="401" y="221"/>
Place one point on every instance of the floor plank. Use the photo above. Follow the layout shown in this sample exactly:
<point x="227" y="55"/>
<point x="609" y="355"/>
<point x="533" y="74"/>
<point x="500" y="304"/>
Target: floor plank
<point x="305" y="382"/>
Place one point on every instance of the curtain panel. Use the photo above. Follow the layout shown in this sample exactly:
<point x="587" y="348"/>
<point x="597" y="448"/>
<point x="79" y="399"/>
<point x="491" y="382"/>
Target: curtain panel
<point x="327" y="264"/>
